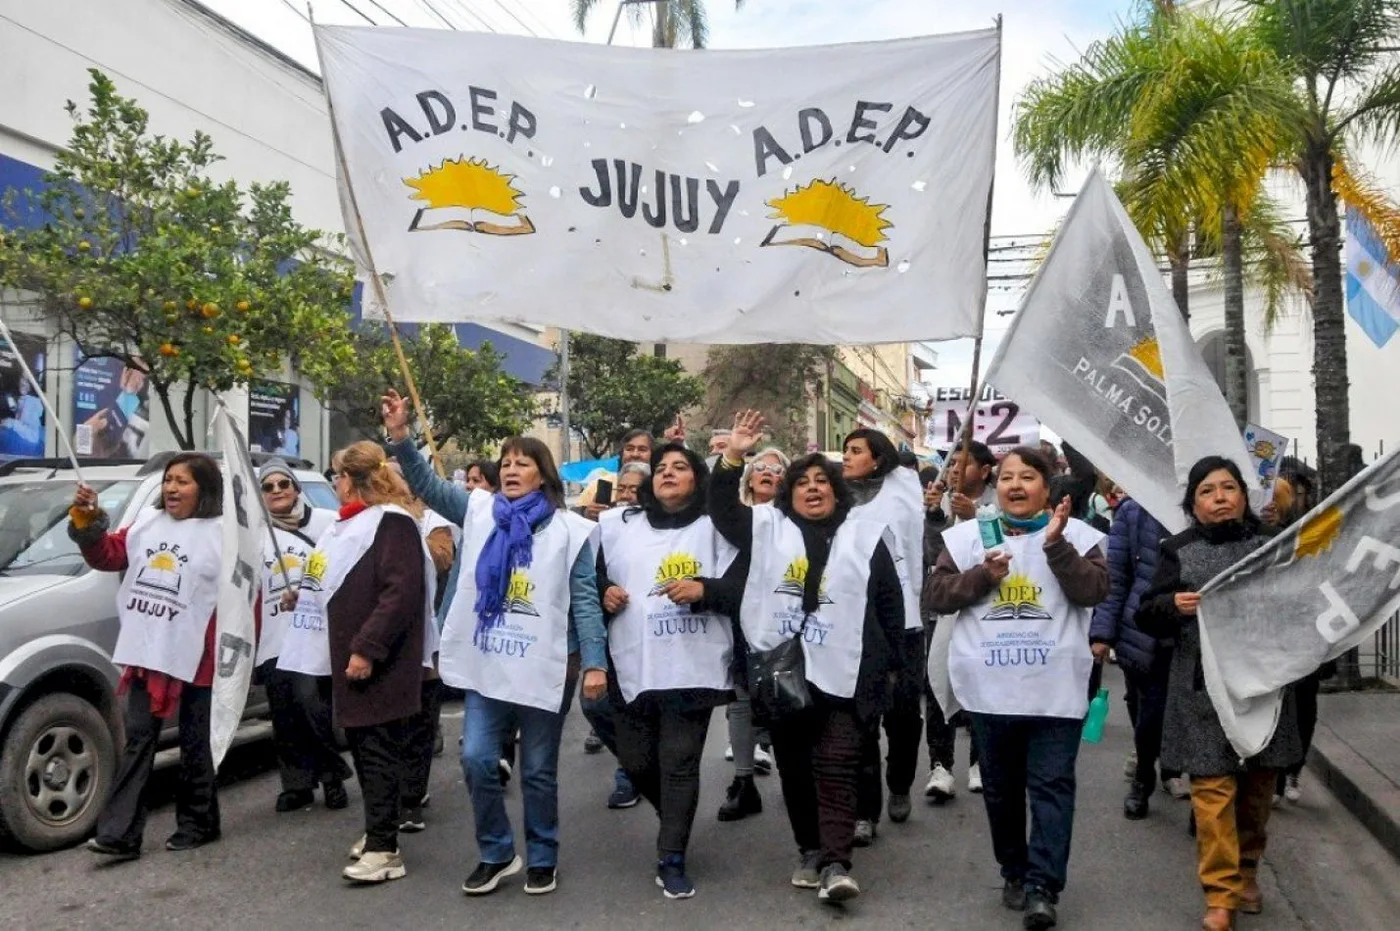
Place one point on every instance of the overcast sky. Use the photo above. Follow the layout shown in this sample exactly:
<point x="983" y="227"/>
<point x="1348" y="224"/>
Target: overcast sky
<point x="1036" y="34"/>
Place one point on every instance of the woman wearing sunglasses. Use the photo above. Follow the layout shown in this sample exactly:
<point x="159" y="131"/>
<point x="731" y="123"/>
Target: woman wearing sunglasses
<point x="757" y="486"/>
<point x="300" y="703"/>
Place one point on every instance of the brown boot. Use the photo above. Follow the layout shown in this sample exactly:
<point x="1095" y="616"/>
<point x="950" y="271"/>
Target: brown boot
<point x="1218" y="919"/>
<point x="1252" y="898"/>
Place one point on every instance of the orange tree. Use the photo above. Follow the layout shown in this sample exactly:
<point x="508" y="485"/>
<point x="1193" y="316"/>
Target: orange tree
<point x="136" y="253"/>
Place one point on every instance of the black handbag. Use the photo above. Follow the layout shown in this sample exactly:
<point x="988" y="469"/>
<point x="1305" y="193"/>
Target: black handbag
<point x="778" y="679"/>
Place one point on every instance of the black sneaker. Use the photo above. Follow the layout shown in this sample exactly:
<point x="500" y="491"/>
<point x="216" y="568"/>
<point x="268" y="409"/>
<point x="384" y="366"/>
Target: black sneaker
<point x="115" y="851"/>
<point x="336" y="796"/>
<point x="592" y="743"/>
<point x="296" y="800"/>
<point x="899" y="807"/>
<point x="1013" y="895"/>
<point x="1040" y="911"/>
<point x="865" y="834"/>
<point x="624" y="794"/>
<point x="412" y="821"/>
<point x="487" y="876"/>
<point x="742" y="799"/>
<point x="1135" y="806"/>
<point x="837" y="885"/>
<point x="187" y="840"/>
<point x="540" y="879"/>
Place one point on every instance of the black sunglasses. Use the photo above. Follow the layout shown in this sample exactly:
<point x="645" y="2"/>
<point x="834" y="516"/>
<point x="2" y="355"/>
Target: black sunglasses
<point x="281" y="485"/>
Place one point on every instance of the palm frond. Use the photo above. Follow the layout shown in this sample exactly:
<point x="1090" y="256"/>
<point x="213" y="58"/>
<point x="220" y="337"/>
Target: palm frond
<point x="1361" y="193"/>
<point x="1276" y="261"/>
<point x="580" y="10"/>
<point x="1375" y="113"/>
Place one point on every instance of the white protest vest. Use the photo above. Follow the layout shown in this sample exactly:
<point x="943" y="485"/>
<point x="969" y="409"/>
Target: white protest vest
<point x="772" y="611"/>
<point x="525" y="659"/>
<point x="899" y="505"/>
<point x="293" y="550"/>
<point x="307" y="647"/>
<point x="431" y="521"/>
<point x="1024" y="648"/>
<point x="657" y="645"/>
<point x="168" y="593"/>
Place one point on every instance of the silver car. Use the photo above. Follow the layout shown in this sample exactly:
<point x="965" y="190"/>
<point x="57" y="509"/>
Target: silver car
<point x="60" y="718"/>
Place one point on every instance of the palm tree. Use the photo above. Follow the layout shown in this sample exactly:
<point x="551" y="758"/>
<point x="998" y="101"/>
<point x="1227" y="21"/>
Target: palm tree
<point x="675" y="23"/>
<point x="1186" y="106"/>
<point x="1338" y="56"/>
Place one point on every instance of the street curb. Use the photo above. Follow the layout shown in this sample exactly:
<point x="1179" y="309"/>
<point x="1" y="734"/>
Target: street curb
<point x="1360" y="787"/>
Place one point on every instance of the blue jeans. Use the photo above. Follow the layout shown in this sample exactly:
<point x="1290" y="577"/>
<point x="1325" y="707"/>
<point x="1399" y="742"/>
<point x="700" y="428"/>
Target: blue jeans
<point x="1029" y="757"/>
<point x="486" y="724"/>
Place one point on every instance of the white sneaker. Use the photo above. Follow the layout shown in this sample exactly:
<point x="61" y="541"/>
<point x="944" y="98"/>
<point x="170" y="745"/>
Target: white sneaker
<point x="357" y="850"/>
<point x="941" y="784"/>
<point x="375" y="867"/>
<point x="729" y="753"/>
<point x="1178" y="788"/>
<point x="762" y="761"/>
<point x="974" y="779"/>
<point x="1292" y="790"/>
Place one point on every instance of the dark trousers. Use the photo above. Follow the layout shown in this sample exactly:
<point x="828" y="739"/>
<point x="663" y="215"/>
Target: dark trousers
<point x="904" y="727"/>
<point x="122" y="822"/>
<point x="1305" y="698"/>
<point x="302" y="733"/>
<point x="660" y="748"/>
<point x="380" y="753"/>
<point x="819" y="757"/>
<point x="1150" y="689"/>
<point x="1029" y="758"/>
<point x="422" y="731"/>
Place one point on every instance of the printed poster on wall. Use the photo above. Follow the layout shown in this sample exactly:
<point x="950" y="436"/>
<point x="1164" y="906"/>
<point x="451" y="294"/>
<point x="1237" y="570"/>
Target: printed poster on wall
<point x="21" y="412"/>
<point x="821" y="194"/>
<point x="111" y="409"/>
<point x="997" y="421"/>
<point x="274" y="418"/>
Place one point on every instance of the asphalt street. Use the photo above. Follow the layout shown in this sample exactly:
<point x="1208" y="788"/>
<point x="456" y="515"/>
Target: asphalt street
<point x="1323" y="871"/>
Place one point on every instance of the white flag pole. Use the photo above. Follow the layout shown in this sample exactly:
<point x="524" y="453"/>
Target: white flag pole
<point x="43" y="399"/>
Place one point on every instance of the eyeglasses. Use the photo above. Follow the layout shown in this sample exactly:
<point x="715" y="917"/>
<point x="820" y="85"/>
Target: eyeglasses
<point x="773" y="468"/>
<point x="281" y="485"/>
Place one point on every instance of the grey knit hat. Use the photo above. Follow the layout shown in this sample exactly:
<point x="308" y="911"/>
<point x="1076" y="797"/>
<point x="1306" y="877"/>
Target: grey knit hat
<point x="275" y="467"/>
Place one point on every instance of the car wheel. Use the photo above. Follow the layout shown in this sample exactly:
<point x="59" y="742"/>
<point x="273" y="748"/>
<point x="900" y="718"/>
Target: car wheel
<point x="56" y="769"/>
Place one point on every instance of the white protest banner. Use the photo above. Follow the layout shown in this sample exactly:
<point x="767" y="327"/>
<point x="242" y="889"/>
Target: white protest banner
<point x="1312" y="593"/>
<point x="833" y="194"/>
<point x="997" y="421"/>
<point x="1266" y="452"/>
<point x="244" y="528"/>
<point x="1100" y="352"/>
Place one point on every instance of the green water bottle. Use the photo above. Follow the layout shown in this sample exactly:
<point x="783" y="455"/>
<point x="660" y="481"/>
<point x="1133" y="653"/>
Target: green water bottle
<point x="1097" y="717"/>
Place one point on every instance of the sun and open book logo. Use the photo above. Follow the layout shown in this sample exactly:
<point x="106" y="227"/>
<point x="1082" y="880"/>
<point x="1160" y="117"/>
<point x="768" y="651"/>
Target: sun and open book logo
<point x="519" y="594"/>
<point x="1018" y="599"/>
<point x="469" y="195"/>
<point x="1143" y="364"/>
<point x="315" y="571"/>
<point x="675" y="567"/>
<point x="835" y="211"/>
<point x="161" y="573"/>
<point x="795" y="581"/>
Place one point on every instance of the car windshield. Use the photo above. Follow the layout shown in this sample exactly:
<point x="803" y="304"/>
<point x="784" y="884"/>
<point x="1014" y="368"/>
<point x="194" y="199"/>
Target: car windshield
<point x="34" y="525"/>
<point x="320" y="495"/>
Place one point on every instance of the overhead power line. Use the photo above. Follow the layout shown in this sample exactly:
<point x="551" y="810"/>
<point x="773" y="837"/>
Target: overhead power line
<point x="512" y="15"/>
<point x="359" y="12"/>
<point x="380" y="8"/>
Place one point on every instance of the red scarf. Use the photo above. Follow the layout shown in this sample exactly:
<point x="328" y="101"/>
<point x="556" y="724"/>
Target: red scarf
<point x="350" y="508"/>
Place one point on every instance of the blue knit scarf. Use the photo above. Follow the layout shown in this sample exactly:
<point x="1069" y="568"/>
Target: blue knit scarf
<point x="509" y="547"/>
<point x="1027" y="525"/>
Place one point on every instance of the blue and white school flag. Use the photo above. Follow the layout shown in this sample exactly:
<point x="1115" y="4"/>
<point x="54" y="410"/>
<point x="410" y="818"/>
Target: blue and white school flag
<point x="828" y="194"/>
<point x="1373" y="281"/>
<point x="1313" y="592"/>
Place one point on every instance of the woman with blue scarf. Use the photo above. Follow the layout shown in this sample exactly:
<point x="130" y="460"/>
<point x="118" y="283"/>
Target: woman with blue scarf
<point x="1017" y="657"/>
<point x="525" y="608"/>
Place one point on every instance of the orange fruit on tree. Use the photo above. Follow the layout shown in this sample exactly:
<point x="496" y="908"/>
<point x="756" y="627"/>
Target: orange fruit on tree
<point x="210" y="310"/>
<point x="85" y="302"/>
<point x="169" y="350"/>
<point x="234" y="339"/>
<point x="243" y="306"/>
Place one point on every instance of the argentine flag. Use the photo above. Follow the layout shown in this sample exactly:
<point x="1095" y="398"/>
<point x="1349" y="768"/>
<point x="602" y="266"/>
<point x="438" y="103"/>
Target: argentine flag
<point x="1373" y="282"/>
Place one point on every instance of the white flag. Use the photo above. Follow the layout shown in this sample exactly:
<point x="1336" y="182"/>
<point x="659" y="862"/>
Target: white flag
<point x="244" y="529"/>
<point x="1315" y="591"/>
<point x="833" y="194"/>
<point x="1266" y="452"/>
<point x="1100" y="353"/>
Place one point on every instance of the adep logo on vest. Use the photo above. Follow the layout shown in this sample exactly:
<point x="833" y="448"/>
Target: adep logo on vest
<point x="518" y="594"/>
<point x="675" y="567"/>
<point x="795" y="581"/>
<point x="1018" y="599"/>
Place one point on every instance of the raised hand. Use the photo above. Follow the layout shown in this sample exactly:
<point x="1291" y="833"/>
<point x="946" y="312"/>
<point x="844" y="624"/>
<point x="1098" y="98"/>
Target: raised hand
<point x="933" y="496"/>
<point x="393" y="410"/>
<point x="746" y="435"/>
<point x="675" y="433"/>
<point x="85" y="498"/>
<point x="1056" y="531"/>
